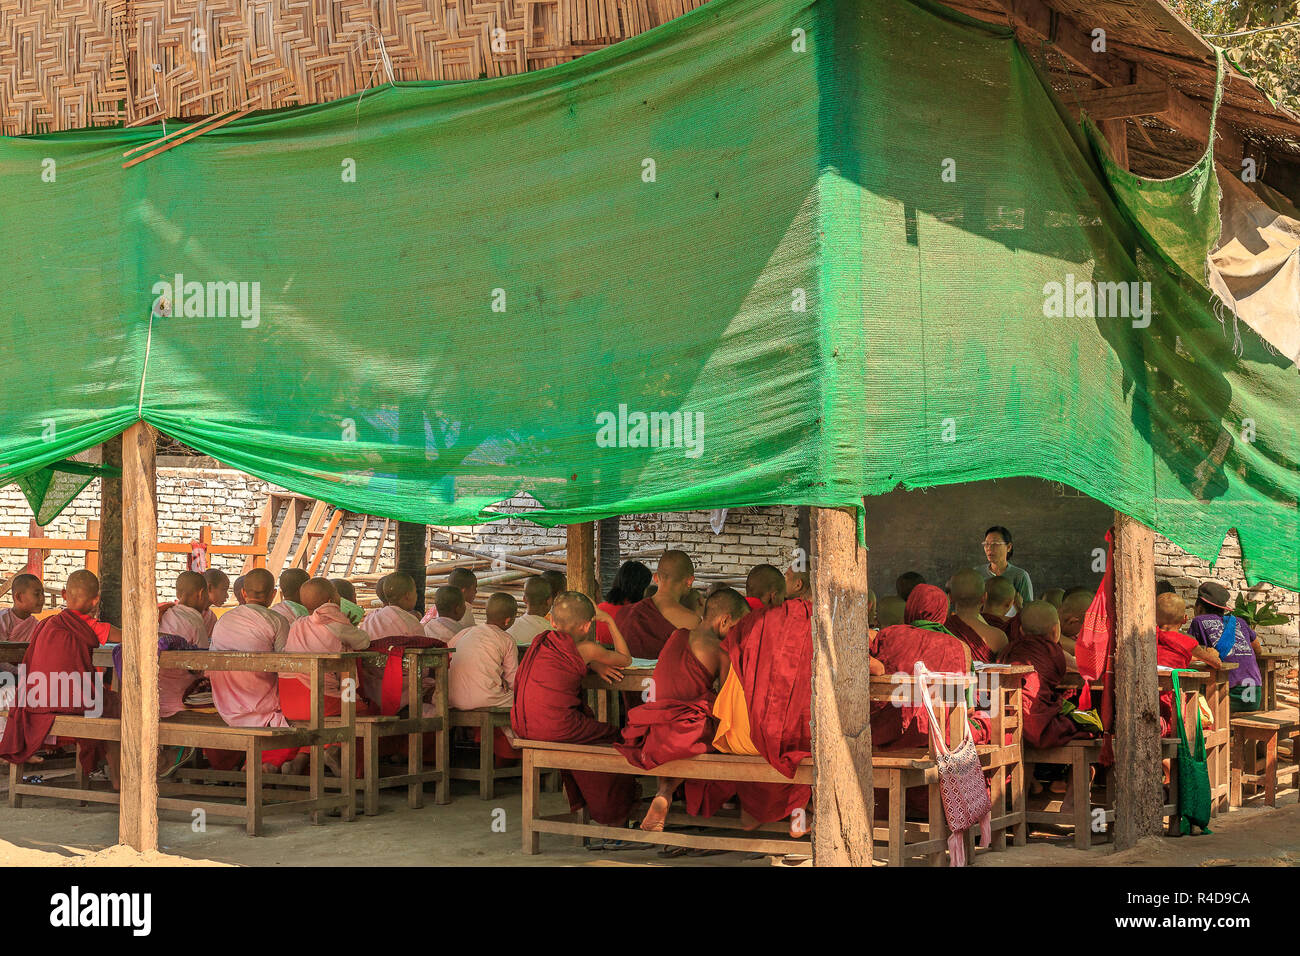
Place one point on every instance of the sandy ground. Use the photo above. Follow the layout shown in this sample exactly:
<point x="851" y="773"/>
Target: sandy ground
<point x="54" y="833"/>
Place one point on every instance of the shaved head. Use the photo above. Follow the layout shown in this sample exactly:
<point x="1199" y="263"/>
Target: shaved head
<point x="765" y="583"/>
<point x="463" y="578"/>
<point x="906" y="581"/>
<point x="674" y="566"/>
<point x="891" y="610"/>
<point x="216" y="578"/>
<point x="291" y="582"/>
<point x="966" y="588"/>
<point x="725" y="601"/>
<point x="345" y="589"/>
<point x="1171" y="610"/>
<point x="1000" y="591"/>
<point x="1038" y="618"/>
<point x="1054" y="597"/>
<point x="501" y="609"/>
<point x="692" y="600"/>
<point x="27" y="583"/>
<point x="238" y="588"/>
<point x="318" y="591"/>
<point x="259" y="587"/>
<point x="571" y="611"/>
<point x="82" y="585"/>
<point x="1074" y="608"/>
<point x="191" y="587"/>
<point x="798" y="584"/>
<point x="397" y="586"/>
<point x="537" y="594"/>
<point x="558" y="582"/>
<point x="381" y="589"/>
<point x="450" y="602"/>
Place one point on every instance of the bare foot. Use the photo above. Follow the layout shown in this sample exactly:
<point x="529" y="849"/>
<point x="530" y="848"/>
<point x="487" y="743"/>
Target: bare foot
<point x="298" y="765"/>
<point x="270" y="768"/>
<point x="747" y="822"/>
<point x="1060" y="786"/>
<point x="656" y="815"/>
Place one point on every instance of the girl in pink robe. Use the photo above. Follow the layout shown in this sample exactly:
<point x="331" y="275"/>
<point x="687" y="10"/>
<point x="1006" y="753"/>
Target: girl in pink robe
<point x="250" y="698"/>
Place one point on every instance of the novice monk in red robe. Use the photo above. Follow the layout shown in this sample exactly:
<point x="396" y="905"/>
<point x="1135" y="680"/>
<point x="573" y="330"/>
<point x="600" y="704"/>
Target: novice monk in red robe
<point x="1039" y="646"/>
<point x="1176" y="650"/>
<point x="548" y="704"/>
<point x="61" y="679"/>
<point x="999" y="606"/>
<point x="765" y="708"/>
<point x="677" y="722"/>
<point x="765" y="586"/>
<point x="966" y="589"/>
<point x="647" y="624"/>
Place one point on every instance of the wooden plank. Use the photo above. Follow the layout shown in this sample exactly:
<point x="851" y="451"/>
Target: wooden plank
<point x="356" y="545"/>
<point x="138" y="817"/>
<point x="581" y="558"/>
<point x="1138" y="794"/>
<point x="110" y="536"/>
<point x="284" y="537"/>
<point x="312" y="530"/>
<point x="262" y="531"/>
<point x="324" y="553"/>
<point x="841" y="706"/>
<point x="1121" y="102"/>
<point x="379" y="549"/>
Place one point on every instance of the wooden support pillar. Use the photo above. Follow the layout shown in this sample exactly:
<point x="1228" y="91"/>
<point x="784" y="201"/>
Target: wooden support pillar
<point x="609" y="556"/>
<point x="1138" y="794"/>
<point x="841" y="692"/>
<point x="138" y="820"/>
<point x="581" y="569"/>
<point x="110" y="536"/>
<point x="411" y="541"/>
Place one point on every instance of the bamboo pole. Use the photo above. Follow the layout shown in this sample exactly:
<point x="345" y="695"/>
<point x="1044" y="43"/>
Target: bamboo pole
<point x="138" y="817"/>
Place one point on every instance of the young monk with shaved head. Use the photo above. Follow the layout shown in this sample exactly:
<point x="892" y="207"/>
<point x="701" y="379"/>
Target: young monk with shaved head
<point x="764" y="587"/>
<point x="549" y="704"/>
<point x="647" y="624"/>
<point x="999" y="606"/>
<point x="482" y="671"/>
<point x="966" y="589"/>
<point x="798" y="584"/>
<point x="538" y="598"/>
<point x="394" y="619"/>
<point x="291" y="582"/>
<point x="906" y="582"/>
<point x="184" y="616"/>
<point x="218" y="593"/>
<point x="449" y="608"/>
<point x="1177" y="650"/>
<point x="18" y="623"/>
<point x="677" y="722"/>
<point x="348" y="599"/>
<point x="1073" y="610"/>
<point x="249" y="698"/>
<point x="238" y="588"/>
<point x="1039" y="645"/>
<point x="558" y="581"/>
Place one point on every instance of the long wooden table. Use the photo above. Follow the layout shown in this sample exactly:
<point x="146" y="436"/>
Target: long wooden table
<point x="1270" y="664"/>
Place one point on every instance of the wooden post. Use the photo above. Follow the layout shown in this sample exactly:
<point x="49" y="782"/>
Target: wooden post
<point x="110" y="536"/>
<point x="841" y="692"/>
<point x="138" y="821"/>
<point x="1138" y="797"/>
<point x="581" y="570"/>
<point x="411" y="540"/>
<point x="608" y="554"/>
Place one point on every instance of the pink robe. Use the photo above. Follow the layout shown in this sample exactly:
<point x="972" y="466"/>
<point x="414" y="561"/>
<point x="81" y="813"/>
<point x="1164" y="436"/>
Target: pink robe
<point x="16" y="629"/>
<point x="391" y="621"/>
<point x="326" y="630"/>
<point x="441" y="630"/>
<point x="246" y="698"/>
<point x="209" y="622"/>
<point x="287" y="611"/>
<point x="173" y="683"/>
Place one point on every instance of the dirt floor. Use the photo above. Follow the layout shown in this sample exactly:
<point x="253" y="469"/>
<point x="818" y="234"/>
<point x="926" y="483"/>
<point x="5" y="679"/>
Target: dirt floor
<point x="54" y="833"/>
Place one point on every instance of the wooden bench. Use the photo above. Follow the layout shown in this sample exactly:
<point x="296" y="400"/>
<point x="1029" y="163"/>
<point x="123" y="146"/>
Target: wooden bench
<point x="208" y="730"/>
<point x="1250" y="732"/>
<point x="898" y="770"/>
<point x="485" y="720"/>
<point x="539" y="755"/>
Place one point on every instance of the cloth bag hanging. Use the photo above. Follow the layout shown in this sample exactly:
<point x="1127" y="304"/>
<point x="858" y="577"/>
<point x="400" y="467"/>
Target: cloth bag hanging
<point x="1194" y="798"/>
<point x="962" y="788"/>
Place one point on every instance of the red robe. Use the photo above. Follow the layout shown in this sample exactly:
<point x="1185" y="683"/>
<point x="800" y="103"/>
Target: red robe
<point x="61" y="645"/>
<point x="1173" y="649"/>
<point x="979" y="651"/>
<point x="771" y="651"/>
<point x="678" y="723"/>
<point x="1045" y="725"/>
<point x="644" y="628"/>
<point x="548" y="706"/>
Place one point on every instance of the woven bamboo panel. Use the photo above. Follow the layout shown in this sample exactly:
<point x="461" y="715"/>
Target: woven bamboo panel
<point x="67" y="64"/>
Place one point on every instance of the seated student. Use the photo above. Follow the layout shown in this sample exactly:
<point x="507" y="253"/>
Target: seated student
<point x="1235" y="642"/>
<point x="348" y="599"/>
<point x="61" y="679"/>
<point x="764" y="587"/>
<point x="558" y="581"/>
<point x="693" y="601"/>
<point x="18" y="623"/>
<point x="184" y="617"/>
<point x="966" y="588"/>
<point x="449" y="608"/>
<point x="238" y="587"/>
<point x="291" y="582"/>
<point x="765" y="708"/>
<point x="1073" y="611"/>
<point x="465" y="581"/>
<point x="1054" y="597"/>
<point x="250" y="698"/>
<point x="647" y="624"/>
<point x="324" y="630"/>
<point x="906" y="582"/>
<point x="394" y="619"/>
<point x="1176" y="650"/>
<point x="538" y="597"/>
<point x="890" y="611"/>
<point x="629" y="586"/>
<point x="218" y="593"/>
<point x="798" y="584"/>
<point x="482" y="671"/>
<point x="1038" y="645"/>
<point x="549" y="704"/>
<point x="379" y="590"/>
<point x="677" y="722"/>
<point x="999" y="607"/>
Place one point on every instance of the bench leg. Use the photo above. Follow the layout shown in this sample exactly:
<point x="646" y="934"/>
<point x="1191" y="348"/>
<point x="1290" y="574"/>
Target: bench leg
<point x="998" y="793"/>
<point x="15" y="778"/>
<point x="1270" y="769"/>
<point x="253" y="789"/>
<point x="487" y="760"/>
<point x="348" y="779"/>
<point x="371" y="779"/>
<point x="1081" y="788"/>
<point x="317" y="776"/>
<point x="897" y="823"/>
<point x="531" y="781"/>
<point x="938" y="825"/>
<point x="1238" y="768"/>
<point x="415" y="765"/>
<point x="442" y="794"/>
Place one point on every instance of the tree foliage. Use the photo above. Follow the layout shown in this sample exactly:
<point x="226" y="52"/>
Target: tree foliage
<point x="1271" y="58"/>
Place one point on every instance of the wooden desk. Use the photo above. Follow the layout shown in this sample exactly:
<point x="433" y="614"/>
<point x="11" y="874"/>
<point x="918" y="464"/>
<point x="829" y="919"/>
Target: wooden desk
<point x="1269" y="666"/>
<point x="637" y="680"/>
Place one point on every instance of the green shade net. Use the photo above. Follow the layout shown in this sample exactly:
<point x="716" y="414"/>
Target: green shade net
<point x="51" y="489"/>
<point x="820" y="234"/>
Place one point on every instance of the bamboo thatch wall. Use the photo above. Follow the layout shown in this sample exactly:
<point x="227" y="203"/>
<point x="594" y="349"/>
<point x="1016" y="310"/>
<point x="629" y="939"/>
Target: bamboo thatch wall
<point x="67" y="64"/>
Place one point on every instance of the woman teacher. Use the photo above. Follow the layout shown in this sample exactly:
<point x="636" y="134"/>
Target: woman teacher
<point x="997" y="551"/>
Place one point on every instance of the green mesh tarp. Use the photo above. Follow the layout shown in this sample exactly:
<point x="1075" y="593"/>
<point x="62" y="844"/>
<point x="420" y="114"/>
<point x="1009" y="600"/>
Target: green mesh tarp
<point x="50" y="489"/>
<point x="774" y="251"/>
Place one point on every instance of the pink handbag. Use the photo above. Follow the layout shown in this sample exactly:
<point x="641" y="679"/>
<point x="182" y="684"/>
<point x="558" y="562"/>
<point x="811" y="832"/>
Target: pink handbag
<point x="962" y="787"/>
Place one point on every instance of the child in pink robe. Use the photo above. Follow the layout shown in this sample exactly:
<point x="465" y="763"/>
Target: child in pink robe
<point x="184" y="618"/>
<point x="18" y="623"/>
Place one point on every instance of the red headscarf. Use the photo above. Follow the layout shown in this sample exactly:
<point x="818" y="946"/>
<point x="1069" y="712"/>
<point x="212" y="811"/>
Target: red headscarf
<point x="926" y="603"/>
